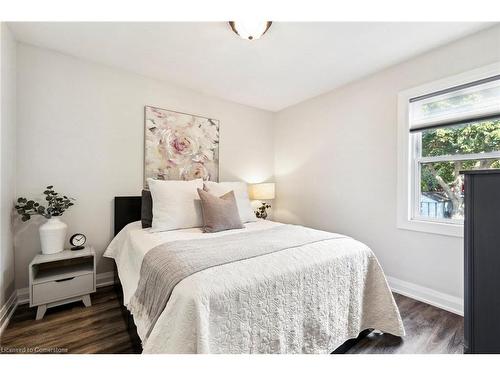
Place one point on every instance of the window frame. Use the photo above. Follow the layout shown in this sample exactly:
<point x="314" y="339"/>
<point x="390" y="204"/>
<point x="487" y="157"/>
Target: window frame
<point x="409" y="158"/>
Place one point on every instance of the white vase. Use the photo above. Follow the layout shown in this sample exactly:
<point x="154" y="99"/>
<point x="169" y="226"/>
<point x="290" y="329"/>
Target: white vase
<point x="52" y="236"/>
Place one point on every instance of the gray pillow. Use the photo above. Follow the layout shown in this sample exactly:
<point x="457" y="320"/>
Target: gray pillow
<point x="219" y="213"/>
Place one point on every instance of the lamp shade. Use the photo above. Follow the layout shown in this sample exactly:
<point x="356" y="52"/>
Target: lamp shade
<point x="262" y="191"/>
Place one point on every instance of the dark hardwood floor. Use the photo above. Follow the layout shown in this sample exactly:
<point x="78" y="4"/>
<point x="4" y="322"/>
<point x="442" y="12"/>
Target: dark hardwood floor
<point x="102" y="328"/>
<point x="72" y="328"/>
<point x="429" y="330"/>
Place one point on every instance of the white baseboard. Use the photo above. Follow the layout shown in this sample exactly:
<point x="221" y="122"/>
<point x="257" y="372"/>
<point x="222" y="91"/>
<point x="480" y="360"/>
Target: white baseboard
<point x="7" y="310"/>
<point x="430" y="296"/>
<point x="105" y="279"/>
<point x="23" y="296"/>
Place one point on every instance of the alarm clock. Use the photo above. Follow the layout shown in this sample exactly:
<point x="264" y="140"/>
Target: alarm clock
<point x="77" y="241"/>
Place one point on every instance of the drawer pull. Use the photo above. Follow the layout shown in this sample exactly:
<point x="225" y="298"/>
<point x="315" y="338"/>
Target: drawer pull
<point x="69" y="278"/>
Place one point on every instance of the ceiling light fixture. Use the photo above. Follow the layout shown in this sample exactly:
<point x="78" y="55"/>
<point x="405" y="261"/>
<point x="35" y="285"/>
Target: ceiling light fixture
<point x="250" y="30"/>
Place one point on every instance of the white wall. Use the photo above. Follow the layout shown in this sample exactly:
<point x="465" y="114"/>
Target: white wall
<point x="7" y="160"/>
<point x="80" y="128"/>
<point x="336" y="160"/>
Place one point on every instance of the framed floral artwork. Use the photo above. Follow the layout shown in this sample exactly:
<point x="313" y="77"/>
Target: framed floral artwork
<point x="179" y="146"/>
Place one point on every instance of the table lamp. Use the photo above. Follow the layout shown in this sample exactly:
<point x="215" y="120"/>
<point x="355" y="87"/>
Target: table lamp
<point x="264" y="191"/>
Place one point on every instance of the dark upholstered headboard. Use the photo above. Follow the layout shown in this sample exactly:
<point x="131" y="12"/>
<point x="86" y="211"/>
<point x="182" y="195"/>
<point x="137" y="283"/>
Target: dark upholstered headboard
<point x="127" y="210"/>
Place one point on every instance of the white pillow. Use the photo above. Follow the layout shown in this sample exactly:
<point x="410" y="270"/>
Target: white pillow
<point x="176" y="204"/>
<point x="241" y="194"/>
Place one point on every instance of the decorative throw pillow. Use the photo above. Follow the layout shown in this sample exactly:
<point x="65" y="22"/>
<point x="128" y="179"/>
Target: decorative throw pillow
<point x="176" y="204"/>
<point x="146" y="209"/>
<point x="241" y="194"/>
<point x="219" y="213"/>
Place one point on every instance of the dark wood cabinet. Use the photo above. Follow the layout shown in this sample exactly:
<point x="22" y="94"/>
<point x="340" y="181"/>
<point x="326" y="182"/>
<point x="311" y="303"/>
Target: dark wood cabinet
<point x="482" y="262"/>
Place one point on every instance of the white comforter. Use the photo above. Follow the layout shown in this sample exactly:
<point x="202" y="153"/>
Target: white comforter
<point x="308" y="299"/>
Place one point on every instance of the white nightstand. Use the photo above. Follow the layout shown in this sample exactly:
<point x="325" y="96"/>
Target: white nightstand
<point x="65" y="277"/>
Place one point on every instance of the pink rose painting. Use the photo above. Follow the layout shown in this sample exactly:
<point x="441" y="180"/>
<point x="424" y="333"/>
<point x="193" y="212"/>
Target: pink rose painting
<point x="179" y="146"/>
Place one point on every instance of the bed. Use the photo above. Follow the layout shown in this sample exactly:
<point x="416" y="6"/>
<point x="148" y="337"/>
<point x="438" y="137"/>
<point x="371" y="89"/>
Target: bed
<point x="304" y="299"/>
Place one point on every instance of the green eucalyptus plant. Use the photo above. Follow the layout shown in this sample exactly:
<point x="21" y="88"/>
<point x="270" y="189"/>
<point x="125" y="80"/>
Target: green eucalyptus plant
<point x="56" y="205"/>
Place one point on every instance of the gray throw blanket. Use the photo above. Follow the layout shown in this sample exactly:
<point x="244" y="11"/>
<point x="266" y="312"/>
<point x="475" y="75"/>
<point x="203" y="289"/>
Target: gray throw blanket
<point x="166" y="265"/>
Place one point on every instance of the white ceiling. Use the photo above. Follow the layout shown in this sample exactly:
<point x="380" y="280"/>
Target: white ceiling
<point x="291" y="63"/>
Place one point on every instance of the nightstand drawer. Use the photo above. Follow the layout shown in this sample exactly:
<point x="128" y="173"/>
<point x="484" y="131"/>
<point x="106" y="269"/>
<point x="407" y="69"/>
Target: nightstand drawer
<point x="64" y="288"/>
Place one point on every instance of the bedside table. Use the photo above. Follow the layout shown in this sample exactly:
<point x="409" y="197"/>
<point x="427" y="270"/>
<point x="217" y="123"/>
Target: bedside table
<point x="56" y="279"/>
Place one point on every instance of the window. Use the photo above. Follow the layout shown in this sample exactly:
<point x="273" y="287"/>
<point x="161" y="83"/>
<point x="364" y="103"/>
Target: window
<point x="446" y="127"/>
<point x="440" y="154"/>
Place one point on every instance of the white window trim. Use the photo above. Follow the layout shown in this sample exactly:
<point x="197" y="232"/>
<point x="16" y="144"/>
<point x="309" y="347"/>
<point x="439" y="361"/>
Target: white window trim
<point x="406" y="164"/>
